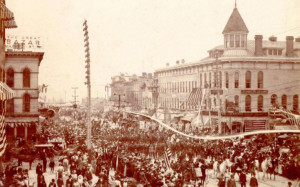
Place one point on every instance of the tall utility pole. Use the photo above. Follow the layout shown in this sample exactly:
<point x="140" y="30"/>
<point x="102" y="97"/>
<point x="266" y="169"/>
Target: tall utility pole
<point x="75" y="96"/>
<point x="218" y="87"/>
<point x="88" y="82"/>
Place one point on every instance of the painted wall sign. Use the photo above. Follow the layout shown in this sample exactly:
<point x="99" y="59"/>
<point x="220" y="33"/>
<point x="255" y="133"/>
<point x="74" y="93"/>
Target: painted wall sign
<point x="254" y="91"/>
<point x="24" y="43"/>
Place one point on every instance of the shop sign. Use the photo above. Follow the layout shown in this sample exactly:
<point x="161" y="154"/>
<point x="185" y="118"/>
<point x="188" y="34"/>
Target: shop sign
<point x="24" y="43"/>
<point x="254" y="91"/>
<point x="214" y="92"/>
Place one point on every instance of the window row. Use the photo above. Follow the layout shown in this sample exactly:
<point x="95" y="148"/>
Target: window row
<point x="212" y="102"/>
<point x="10" y="77"/>
<point x="274" y="103"/>
<point x="10" y="104"/>
<point x="175" y="103"/>
<point x="214" y="79"/>
<point x="235" y="40"/>
<point x="182" y="71"/>
<point x="177" y="87"/>
<point x="284" y="102"/>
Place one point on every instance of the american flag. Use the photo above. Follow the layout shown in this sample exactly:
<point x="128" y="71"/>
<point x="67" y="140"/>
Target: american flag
<point x="194" y="97"/>
<point x="3" y="144"/>
<point x="168" y="155"/>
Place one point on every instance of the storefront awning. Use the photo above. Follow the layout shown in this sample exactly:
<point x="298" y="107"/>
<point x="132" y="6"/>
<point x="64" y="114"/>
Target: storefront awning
<point x="21" y="124"/>
<point x="197" y="121"/>
<point x="188" y="117"/>
<point x="175" y="120"/>
<point x="11" y="24"/>
<point x="6" y="92"/>
<point x="6" y="14"/>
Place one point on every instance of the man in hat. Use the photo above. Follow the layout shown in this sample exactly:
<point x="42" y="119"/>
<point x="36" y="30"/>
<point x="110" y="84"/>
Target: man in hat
<point x="253" y="181"/>
<point x="243" y="179"/>
<point x="222" y="181"/>
<point x="231" y="181"/>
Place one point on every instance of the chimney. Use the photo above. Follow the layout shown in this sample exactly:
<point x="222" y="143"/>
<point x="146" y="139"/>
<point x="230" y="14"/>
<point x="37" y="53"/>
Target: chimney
<point x="150" y="75"/>
<point x="297" y="39"/>
<point x="289" y="46"/>
<point x="273" y="38"/>
<point x="167" y="64"/>
<point x="258" y="45"/>
<point x="144" y="74"/>
<point x="177" y="62"/>
<point x="182" y="61"/>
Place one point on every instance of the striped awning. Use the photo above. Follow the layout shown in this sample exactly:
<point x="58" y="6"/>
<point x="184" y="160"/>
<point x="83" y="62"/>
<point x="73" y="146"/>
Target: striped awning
<point x="195" y="97"/>
<point x="21" y="124"/>
<point x="6" y="14"/>
<point x="10" y="24"/>
<point x="6" y="92"/>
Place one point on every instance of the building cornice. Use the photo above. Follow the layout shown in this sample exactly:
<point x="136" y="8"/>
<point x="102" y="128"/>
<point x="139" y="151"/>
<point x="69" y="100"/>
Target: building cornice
<point x="25" y="54"/>
<point x="265" y="59"/>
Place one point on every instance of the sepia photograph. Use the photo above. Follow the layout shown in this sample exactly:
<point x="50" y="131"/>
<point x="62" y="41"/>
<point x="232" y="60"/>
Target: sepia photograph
<point x="149" y="93"/>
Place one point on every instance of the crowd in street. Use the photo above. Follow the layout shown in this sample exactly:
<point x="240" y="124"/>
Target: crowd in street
<point x="124" y="154"/>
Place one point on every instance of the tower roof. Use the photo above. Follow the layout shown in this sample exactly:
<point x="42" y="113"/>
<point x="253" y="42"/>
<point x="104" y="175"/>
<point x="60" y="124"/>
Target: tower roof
<point x="235" y="23"/>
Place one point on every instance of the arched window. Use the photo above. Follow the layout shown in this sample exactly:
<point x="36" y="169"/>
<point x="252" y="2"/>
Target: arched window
<point x="248" y="79"/>
<point x="205" y="81"/>
<point x="274" y="100"/>
<point x="248" y="103"/>
<point x="215" y="79"/>
<point x="260" y="79"/>
<point x="10" y="77"/>
<point x="26" y="103"/>
<point x="209" y="77"/>
<point x="236" y="100"/>
<point x="26" y="77"/>
<point x="2" y="104"/>
<point x="10" y="108"/>
<point x="260" y="103"/>
<point x="226" y="80"/>
<point x="220" y="77"/>
<point x="236" y="79"/>
<point x="2" y="75"/>
<point x="295" y="102"/>
<point x="283" y="101"/>
<point x="200" y="85"/>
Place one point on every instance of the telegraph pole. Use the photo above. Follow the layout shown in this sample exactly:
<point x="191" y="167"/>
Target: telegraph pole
<point x="88" y="82"/>
<point x="218" y="85"/>
<point x="75" y="96"/>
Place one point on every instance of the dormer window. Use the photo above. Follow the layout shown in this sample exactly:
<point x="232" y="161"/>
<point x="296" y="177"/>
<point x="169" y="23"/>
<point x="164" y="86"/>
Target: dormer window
<point x="235" y="40"/>
<point x="274" y="52"/>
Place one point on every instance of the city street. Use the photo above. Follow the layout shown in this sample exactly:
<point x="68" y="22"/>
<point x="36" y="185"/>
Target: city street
<point x="211" y="181"/>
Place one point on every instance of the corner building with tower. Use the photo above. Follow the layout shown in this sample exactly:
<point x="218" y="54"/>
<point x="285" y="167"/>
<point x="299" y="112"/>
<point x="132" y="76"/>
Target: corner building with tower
<point x="247" y="77"/>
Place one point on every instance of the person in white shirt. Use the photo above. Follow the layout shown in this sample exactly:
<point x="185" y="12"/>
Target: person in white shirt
<point x="111" y="178"/>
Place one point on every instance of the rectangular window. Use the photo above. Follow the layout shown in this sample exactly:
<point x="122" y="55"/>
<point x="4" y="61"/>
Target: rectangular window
<point x="231" y="40"/>
<point x="242" y="41"/>
<point x="227" y="80"/>
<point x="237" y="40"/>
<point x="228" y="41"/>
<point x="270" y="51"/>
<point x="280" y="52"/>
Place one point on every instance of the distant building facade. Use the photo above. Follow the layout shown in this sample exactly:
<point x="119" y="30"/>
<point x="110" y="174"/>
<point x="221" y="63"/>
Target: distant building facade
<point x="131" y="91"/>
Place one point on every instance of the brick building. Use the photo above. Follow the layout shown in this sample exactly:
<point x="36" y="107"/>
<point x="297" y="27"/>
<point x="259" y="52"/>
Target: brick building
<point x="22" y="70"/>
<point x="248" y="77"/>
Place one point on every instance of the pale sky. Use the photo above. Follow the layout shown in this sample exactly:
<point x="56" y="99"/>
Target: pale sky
<point x="136" y="36"/>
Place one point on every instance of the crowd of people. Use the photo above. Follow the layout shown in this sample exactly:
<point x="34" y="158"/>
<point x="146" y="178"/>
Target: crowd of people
<point x="124" y="154"/>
